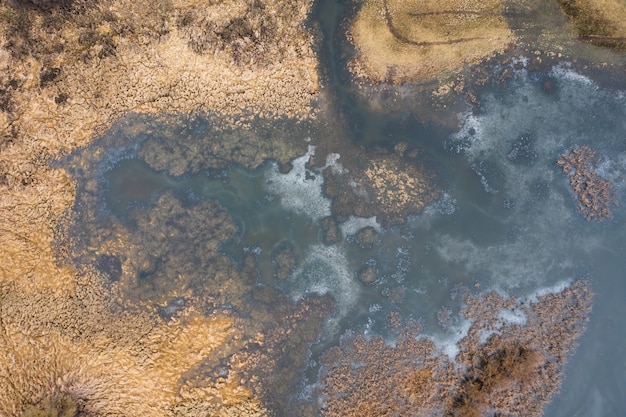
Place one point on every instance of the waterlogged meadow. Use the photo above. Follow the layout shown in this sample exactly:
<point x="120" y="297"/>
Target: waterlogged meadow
<point x="460" y="304"/>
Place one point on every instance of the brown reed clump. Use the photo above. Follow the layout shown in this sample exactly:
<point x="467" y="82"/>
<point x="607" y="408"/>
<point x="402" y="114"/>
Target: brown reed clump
<point x="595" y="194"/>
<point x="375" y="379"/>
<point x="504" y="365"/>
<point x="390" y="186"/>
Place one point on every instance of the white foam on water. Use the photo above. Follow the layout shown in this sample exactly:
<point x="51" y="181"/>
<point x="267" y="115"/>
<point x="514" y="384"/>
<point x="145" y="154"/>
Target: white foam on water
<point x="300" y="189"/>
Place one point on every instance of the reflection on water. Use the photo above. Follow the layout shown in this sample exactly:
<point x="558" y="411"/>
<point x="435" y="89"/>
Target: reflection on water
<point x="506" y="221"/>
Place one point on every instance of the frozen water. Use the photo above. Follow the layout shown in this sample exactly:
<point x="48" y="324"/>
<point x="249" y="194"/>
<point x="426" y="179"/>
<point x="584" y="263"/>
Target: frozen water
<point x="354" y="224"/>
<point x="300" y="189"/>
<point x="512" y="146"/>
<point x="326" y="269"/>
<point x="513" y="317"/>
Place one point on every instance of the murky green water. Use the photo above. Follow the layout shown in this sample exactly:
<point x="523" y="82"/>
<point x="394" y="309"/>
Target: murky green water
<point x="506" y="218"/>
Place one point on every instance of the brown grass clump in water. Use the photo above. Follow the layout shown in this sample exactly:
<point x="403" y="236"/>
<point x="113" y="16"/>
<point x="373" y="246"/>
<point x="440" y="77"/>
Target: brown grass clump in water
<point x="390" y="186"/>
<point x="399" y="191"/>
<point x="599" y="22"/>
<point x="595" y="194"/>
<point x="374" y="379"/>
<point x="406" y="41"/>
<point x="516" y="370"/>
<point x="494" y="370"/>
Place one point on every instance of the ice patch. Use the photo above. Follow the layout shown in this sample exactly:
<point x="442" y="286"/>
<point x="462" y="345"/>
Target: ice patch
<point x="613" y="168"/>
<point x="552" y="289"/>
<point x="564" y="72"/>
<point x="512" y="264"/>
<point x="445" y="205"/>
<point x="326" y="270"/>
<point x="354" y="224"/>
<point x="526" y="110"/>
<point x="479" y="170"/>
<point x="332" y="163"/>
<point x="358" y="190"/>
<point x="485" y="334"/>
<point x="375" y="308"/>
<point x="300" y="189"/>
<point x="512" y="146"/>
<point x="512" y="317"/>
<point x="448" y="344"/>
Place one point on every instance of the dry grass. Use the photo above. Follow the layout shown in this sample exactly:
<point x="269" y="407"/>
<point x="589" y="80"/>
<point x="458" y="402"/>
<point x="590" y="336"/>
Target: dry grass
<point x="405" y="41"/>
<point x="600" y="22"/>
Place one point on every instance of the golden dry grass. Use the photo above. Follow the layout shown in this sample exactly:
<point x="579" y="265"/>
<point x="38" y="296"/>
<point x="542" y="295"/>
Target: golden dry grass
<point x="72" y="345"/>
<point x="406" y="41"/>
<point x="64" y="78"/>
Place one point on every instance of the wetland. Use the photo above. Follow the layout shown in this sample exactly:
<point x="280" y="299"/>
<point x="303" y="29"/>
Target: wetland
<point x="447" y="237"/>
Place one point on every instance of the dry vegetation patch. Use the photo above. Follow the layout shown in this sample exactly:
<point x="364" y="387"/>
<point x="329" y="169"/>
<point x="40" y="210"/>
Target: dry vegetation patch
<point x="407" y="41"/>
